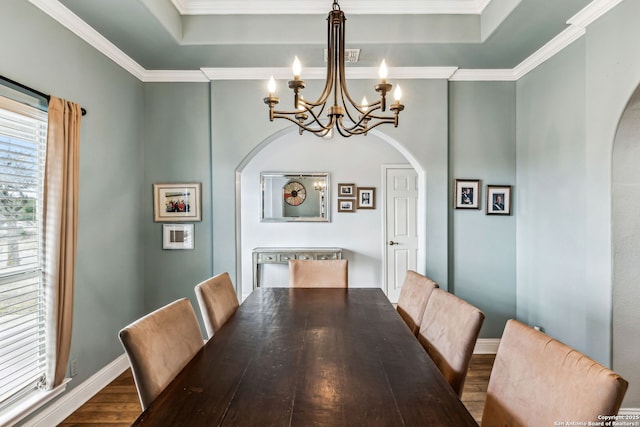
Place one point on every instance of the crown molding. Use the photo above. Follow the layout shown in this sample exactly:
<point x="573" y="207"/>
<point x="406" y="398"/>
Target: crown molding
<point x="550" y="49"/>
<point x="254" y="73"/>
<point x="302" y="7"/>
<point x="189" y="76"/>
<point x="354" y="73"/>
<point x="421" y="72"/>
<point x="73" y="23"/>
<point x="488" y="75"/>
<point x="592" y="12"/>
<point x="576" y="29"/>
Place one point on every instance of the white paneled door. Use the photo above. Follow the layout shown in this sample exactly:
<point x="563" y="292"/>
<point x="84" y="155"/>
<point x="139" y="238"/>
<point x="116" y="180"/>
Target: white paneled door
<point x="401" y="207"/>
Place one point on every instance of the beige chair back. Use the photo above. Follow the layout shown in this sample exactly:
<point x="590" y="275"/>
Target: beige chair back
<point x="414" y="294"/>
<point x="449" y="330"/>
<point x="538" y="381"/>
<point x="159" y="345"/>
<point x="217" y="300"/>
<point x="318" y="273"/>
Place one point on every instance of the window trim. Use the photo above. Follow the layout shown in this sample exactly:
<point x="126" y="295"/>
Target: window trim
<point x="35" y="400"/>
<point x="23" y="405"/>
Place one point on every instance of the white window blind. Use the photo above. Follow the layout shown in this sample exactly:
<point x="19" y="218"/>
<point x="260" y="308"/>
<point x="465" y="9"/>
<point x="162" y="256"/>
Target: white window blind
<point x="23" y="131"/>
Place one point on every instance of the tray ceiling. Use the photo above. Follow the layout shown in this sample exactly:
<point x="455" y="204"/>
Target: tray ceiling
<point x="196" y="34"/>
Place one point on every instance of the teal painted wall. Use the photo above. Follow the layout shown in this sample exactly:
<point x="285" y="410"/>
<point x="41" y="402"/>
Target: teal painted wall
<point x="109" y="273"/>
<point x="424" y="132"/>
<point x="482" y="145"/>
<point x="552" y="236"/>
<point x="177" y="148"/>
<point x="568" y="110"/>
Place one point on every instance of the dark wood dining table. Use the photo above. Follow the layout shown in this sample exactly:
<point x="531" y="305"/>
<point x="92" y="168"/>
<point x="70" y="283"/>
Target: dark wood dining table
<point x="310" y="357"/>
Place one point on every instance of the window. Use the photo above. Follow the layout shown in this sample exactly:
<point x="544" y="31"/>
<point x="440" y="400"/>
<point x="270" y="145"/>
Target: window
<point x="23" y="131"/>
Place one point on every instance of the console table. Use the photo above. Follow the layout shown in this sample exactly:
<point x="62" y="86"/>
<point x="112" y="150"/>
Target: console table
<point x="283" y="255"/>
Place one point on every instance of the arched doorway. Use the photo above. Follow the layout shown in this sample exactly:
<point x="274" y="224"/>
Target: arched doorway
<point x="626" y="249"/>
<point x="353" y="160"/>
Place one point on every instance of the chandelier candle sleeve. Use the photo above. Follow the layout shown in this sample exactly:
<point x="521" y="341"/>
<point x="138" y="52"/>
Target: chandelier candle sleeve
<point x="297" y="68"/>
<point x="383" y="72"/>
<point x="342" y="112"/>
<point x="272" y="99"/>
<point x="271" y="87"/>
<point x="397" y="94"/>
<point x="396" y="107"/>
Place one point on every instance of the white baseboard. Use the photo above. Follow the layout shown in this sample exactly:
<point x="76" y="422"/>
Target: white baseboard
<point x="486" y="346"/>
<point x="67" y="404"/>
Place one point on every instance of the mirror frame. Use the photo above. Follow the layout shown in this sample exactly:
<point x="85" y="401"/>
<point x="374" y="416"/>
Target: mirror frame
<point x="324" y="209"/>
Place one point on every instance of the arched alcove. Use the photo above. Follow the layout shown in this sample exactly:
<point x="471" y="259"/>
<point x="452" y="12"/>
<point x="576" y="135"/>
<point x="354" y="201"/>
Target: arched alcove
<point x="626" y="249"/>
<point x="355" y="160"/>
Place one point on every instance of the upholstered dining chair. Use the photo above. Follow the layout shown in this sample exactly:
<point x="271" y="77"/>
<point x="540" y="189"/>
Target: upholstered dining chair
<point x="537" y="380"/>
<point x="448" y="332"/>
<point x="330" y="273"/>
<point x="217" y="300"/>
<point x="159" y="345"/>
<point x="414" y="294"/>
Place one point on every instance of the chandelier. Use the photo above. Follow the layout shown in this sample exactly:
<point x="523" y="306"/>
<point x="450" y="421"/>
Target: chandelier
<point x="343" y="113"/>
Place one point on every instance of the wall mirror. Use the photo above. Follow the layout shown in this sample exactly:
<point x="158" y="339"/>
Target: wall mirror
<point x="293" y="196"/>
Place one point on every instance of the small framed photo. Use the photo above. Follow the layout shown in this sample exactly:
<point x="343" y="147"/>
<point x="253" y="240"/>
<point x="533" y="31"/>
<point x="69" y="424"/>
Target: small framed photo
<point x="346" y="190"/>
<point x="498" y="200"/>
<point x="176" y="202"/>
<point x="177" y="236"/>
<point x="467" y="194"/>
<point x="366" y="198"/>
<point x="346" y="205"/>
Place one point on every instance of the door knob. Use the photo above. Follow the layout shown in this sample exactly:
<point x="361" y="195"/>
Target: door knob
<point x="391" y="243"/>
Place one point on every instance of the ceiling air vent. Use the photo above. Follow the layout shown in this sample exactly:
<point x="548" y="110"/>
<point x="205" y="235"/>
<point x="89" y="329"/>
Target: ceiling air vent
<point x="350" y="55"/>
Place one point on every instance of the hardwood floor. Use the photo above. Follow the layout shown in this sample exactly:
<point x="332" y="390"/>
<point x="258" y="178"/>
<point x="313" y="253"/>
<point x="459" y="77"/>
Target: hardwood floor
<point x="118" y="405"/>
<point x="115" y="405"/>
<point x="475" y="387"/>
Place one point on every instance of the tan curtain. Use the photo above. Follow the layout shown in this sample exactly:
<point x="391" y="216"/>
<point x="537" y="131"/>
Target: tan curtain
<point x="60" y="231"/>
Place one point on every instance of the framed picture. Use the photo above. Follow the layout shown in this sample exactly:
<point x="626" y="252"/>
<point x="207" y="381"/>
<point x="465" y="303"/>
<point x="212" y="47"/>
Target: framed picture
<point x="366" y="198"/>
<point x="467" y="194"/>
<point x="498" y="200"/>
<point x="346" y="190"/>
<point x="177" y="236"/>
<point x="176" y="202"/>
<point x="346" y="205"/>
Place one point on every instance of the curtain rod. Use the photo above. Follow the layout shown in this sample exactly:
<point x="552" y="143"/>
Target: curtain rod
<point x="36" y="92"/>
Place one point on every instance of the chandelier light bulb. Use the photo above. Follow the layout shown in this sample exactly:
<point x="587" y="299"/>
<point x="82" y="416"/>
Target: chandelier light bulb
<point x="397" y="94"/>
<point x="297" y="68"/>
<point x="365" y="104"/>
<point x="383" y="71"/>
<point x="271" y="86"/>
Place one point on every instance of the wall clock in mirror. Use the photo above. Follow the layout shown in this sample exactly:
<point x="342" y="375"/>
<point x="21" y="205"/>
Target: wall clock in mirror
<point x="294" y="193"/>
